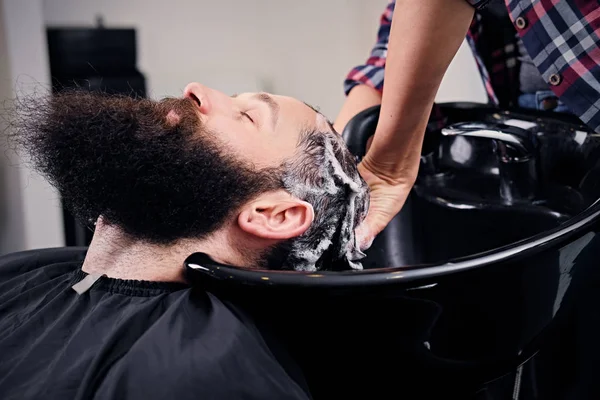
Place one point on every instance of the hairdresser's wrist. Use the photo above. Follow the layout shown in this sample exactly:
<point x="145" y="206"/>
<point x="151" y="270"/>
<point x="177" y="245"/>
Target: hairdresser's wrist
<point x="396" y="163"/>
<point x="392" y="172"/>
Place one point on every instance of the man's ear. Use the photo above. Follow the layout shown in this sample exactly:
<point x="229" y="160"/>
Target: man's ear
<point x="276" y="215"/>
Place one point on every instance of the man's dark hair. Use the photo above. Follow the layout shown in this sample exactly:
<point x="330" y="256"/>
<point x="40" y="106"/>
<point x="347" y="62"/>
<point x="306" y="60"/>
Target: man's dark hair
<point x="159" y="181"/>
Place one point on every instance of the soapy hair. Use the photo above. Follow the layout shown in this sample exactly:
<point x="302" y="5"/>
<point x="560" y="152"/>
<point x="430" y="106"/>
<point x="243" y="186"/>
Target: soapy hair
<point x="324" y="174"/>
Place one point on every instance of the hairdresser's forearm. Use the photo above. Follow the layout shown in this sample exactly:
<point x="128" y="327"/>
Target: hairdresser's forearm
<point x="424" y="37"/>
<point x="360" y="98"/>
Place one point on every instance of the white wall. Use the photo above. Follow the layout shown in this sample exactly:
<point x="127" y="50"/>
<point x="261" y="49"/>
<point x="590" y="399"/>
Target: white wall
<point x="12" y="230"/>
<point x="30" y="213"/>
<point x="298" y="48"/>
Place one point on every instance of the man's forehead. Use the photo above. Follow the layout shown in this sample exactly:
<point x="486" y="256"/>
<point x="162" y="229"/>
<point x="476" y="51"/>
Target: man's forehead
<point x="321" y="121"/>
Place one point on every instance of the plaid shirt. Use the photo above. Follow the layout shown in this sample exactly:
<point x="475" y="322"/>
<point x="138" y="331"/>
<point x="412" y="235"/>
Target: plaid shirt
<point x="561" y="36"/>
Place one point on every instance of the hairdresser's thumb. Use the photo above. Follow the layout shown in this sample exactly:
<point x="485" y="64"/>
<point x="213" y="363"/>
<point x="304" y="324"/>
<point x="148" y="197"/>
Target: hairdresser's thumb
<point x="364" y="236"/>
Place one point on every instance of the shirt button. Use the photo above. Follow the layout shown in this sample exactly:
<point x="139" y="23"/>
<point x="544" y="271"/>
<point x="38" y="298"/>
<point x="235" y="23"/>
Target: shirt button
<point x="555" y="79"/>
<point x="521" y="23"/>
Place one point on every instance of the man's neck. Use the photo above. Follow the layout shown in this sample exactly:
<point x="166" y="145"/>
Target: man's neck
<point x="116" y="255"/>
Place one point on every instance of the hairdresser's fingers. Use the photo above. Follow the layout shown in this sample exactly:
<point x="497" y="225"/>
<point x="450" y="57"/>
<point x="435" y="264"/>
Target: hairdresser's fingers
<point x="385" y="204"/>
<point x="386" y="200"/>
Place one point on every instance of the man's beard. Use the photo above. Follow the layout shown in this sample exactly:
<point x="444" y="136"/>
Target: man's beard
<point x="157" y="179"/>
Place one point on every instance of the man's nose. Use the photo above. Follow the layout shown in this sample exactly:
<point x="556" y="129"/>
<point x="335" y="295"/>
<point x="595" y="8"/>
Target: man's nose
<point x="200" y="95"/>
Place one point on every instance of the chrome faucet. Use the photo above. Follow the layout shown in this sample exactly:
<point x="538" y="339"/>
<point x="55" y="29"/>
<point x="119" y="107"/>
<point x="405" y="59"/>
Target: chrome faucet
<point x="517" y="138"/>
<point x="516" y="150"/>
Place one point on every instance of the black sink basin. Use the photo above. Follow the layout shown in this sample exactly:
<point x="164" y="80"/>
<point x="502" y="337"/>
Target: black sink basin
<point x="431" y="229"/>
<point x="485" y="281"/>
<point x="485" y="184"/>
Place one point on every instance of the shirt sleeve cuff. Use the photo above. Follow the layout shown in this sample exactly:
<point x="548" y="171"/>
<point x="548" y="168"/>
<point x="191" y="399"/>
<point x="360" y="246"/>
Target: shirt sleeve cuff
<point x="370" y="75"/>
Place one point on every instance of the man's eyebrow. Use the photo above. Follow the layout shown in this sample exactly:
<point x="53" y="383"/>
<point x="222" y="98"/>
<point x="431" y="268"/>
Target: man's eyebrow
<point x="321" y="114"/>
<point x="273" y="106"/>
<point x="268" y="100"/>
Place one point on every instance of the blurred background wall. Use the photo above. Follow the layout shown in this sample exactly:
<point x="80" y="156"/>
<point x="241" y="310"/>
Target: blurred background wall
<point x="296" y="48"/>
<point x="30" y="211"/>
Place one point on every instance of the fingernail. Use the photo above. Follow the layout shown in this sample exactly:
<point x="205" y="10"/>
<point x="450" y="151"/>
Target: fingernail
<point x="363" y="237"/>
<point x="367" y="242"/>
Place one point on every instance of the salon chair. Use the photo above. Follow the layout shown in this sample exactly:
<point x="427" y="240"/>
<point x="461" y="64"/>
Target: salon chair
<point x="482" y="287"/>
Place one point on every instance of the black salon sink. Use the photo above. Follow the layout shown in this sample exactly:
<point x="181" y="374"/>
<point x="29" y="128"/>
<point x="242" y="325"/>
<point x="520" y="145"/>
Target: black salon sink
<point x="431" y="229"/>
<point x="483" y="184"/>
<point x="484" y="285"/>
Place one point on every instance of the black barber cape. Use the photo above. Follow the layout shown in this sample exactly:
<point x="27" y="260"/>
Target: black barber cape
<point x="125" y="339"/>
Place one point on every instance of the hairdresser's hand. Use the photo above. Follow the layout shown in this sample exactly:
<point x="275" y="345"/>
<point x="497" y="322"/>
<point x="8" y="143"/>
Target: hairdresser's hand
<point x="388" y="195"/>
<point x="423" y="40"/>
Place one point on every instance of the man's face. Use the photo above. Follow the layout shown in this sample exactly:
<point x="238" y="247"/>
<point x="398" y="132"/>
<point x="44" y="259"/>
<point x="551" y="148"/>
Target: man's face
<point x="260" y="128"/>
<point x="176" y="168"/>
<point x="181" y="168"/>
